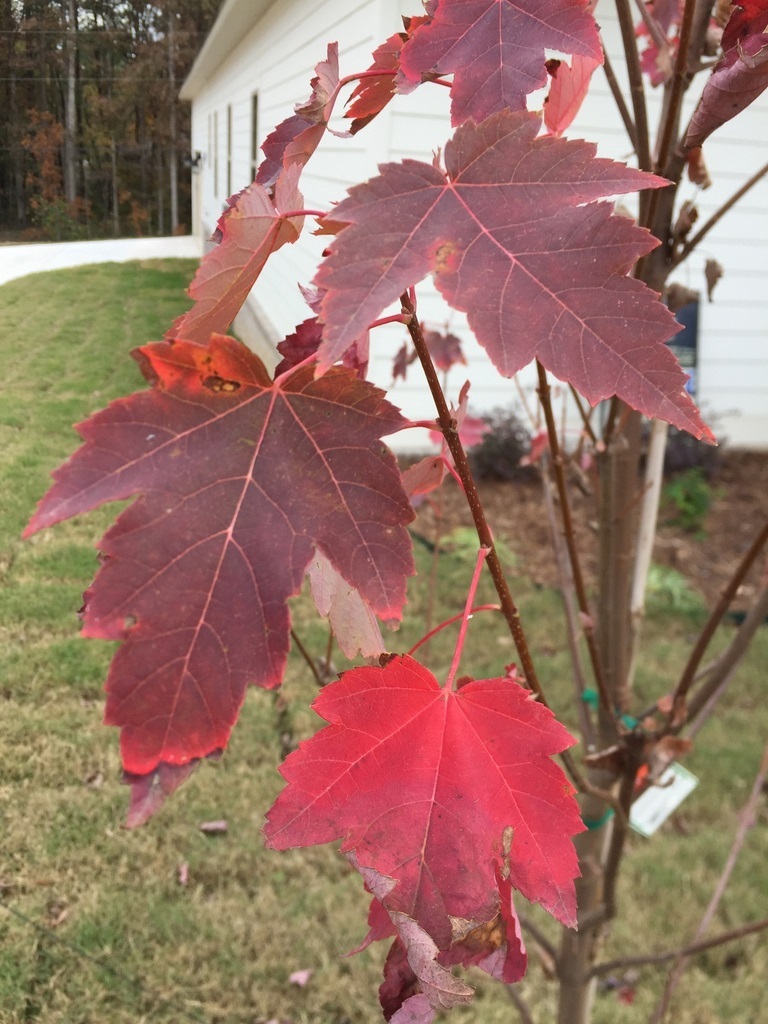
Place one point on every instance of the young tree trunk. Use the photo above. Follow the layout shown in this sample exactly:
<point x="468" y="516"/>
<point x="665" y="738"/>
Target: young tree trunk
<point x="600" y="847"/>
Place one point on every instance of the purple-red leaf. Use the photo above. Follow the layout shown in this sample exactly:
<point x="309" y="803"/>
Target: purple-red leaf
<point x="514" y="239"/>
<point x="570" y="85"/>
<point x="249" y="231"/>
<point x="415" y="979"/>
<point x="495" y="49"/>
<point x="149" y="792"/>
<point x="240" y="479"/>
<point x="424" y="477"/>
<point x="435" y="791"/>
<point x="739" y="78"/>
<point x="296" y="138"/>
<point x="445" y="349"/>
<point x="373" y="93"/>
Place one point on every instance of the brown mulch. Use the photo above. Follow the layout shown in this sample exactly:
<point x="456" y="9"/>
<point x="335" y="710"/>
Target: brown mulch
<point x="517" y="513"/>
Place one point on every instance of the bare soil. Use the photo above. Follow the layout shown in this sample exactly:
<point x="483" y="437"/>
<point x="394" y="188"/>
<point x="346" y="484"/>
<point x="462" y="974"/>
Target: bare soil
<point x="707" y="558"/>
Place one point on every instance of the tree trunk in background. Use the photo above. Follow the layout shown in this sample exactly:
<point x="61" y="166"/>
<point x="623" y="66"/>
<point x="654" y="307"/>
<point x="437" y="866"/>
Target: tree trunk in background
<point x="173" y="156"/>
<point x="160" y="194"/>
<point x="70" y="118"/>
<point x="115" y="190"/>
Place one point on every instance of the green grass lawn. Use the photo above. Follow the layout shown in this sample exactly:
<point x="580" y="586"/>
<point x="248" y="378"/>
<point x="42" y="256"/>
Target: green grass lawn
<point x="221" y="947"/>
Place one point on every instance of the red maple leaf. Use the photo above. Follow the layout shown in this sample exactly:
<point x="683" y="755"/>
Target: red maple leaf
<point x="496" y="49"/>
<point x="747" y="17"/>
<point x="445" y="349"/>
<point x="514" y="239"/>
<point x="373" y="93"/>
<point x="424" y="477"/>
<point x="739" y="78"/>
<point x="436" y="791"/>
<point x="305" y="341"/>
<point x="197" y="572"/>
<point x="570" y="84"/>
<point x="248" y="232"/>
<point x="296" y="138"/>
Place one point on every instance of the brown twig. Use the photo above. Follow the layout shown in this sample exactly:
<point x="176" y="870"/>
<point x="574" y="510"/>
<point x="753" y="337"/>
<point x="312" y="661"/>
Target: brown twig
<point x="714" y="620"/>
<point x="568" y="596"/>
<point x="654" y="29"/>
<point x="308" y="658"/>
<point x="450" y="433"/>
<point x="704" y="230"/>
<point x="585" y="416"/>
<point x="746" y="822"/>
<point x="329" y="651"/>
<point x="570" y="541"/>
<point x="719" y="670"/>
<point x="678" y="85"/>
<point x="611" y="966"/>
<point x="636" y="86"/>
<point x="520" y="1005"/>
<point x="539" y="937"/>
<point x="633" y="759"/>
<point x="618" y="98"/>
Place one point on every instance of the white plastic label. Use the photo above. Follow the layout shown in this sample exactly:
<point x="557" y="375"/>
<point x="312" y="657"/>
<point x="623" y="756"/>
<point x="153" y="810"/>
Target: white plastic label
<point x="656" y="804"/>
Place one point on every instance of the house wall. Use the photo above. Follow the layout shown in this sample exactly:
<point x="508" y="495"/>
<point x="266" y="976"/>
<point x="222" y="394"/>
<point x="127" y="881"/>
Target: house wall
<point x="276" y="60"/>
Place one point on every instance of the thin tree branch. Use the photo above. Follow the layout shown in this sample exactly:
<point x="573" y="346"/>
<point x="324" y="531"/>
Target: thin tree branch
<point x="714" y="620"/>
<point x="611" y="966"/>
<point x="704" y="230"/>
<point x="451" y="435"/>
<point x="721" y="668"/>
<point x="570" y="541"/>
<point x="618" y="99"/>
<point x="539" y="937"/>
<point x="574" y="630"/>
<point x="308" y="658"/>
<point x="520" y="1005"/>
<point x="746" y="822"/>
<point x="711" y="678"/>
<point x="633" y="760"/>
<point x="654" y="29"/>
<point x="585" y="416"/>
<point x="636" y="86"/>
<point x="678" y="84"/>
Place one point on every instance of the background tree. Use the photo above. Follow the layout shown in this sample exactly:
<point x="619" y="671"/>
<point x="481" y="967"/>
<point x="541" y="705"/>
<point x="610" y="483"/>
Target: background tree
<point x="108" y="75"/>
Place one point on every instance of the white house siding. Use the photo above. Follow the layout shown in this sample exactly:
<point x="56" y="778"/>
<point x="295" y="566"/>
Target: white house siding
<point x="276" y="58"/>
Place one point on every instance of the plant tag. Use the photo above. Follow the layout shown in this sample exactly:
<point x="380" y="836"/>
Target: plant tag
<point x="656" y="804"/>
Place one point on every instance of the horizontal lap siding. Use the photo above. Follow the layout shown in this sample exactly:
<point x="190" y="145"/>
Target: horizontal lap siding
<point x="277" y="58"/>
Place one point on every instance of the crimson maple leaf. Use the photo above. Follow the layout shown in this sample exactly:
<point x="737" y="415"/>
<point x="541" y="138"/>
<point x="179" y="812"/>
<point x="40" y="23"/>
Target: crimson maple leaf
<point x="436" y="791"/>
<point x="496" y="49"/>
<point x="240" y="479"/>
<point x="249" y="231"/>
<point x="510" y="241"/>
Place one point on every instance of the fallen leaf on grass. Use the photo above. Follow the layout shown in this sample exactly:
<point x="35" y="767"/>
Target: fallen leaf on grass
<point x="214" y="828"/>
<point x="301" y="978"/>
